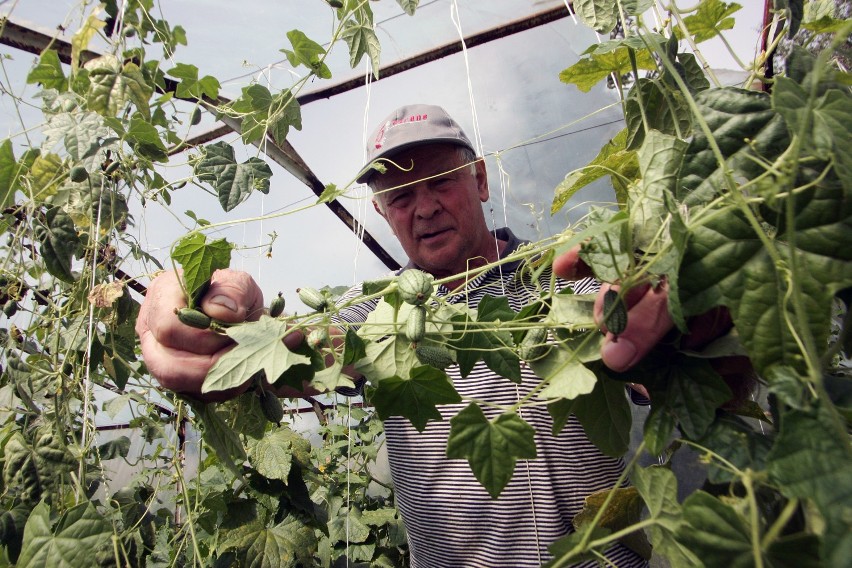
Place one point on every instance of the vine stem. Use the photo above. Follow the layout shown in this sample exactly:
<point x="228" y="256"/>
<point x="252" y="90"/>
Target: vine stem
<point x="754" y="519"/>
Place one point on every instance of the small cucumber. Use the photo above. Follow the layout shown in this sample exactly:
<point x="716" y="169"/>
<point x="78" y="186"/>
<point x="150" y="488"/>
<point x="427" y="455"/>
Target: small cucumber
<point x="318" y="337"/>
<point x="534" y="344"/>
<point x="112" y="167"/>
<point x="270" y="405"/>
<point x="415" y="325"/>
<point x="614" y="313"/>
<point x="415" y="286"/>
<point x="312" y="298"/>
<point x="78" y="174"/>
<point x="276" y="308"/>
<point x="434" y="355"/>
<point x="194" y="318"/>
<point x="196" y="116"/>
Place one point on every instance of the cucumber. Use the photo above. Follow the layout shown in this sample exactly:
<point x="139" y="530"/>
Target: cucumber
<point x="534" y="344"/>
<point x="312" y="298"/>
<point x="276" y="308"/>
<point x="434" y="355"/>
<point x="614" y="313"/>
<point x="270" y="405"/>
<point x="194" y="318"/>
<point x="415" y="325"/>
<point x="78" y="174"/>
<point x="415" y="286"/>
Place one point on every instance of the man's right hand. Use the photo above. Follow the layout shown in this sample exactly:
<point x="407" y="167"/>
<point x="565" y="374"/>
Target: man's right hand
<point x="179" y="356"/>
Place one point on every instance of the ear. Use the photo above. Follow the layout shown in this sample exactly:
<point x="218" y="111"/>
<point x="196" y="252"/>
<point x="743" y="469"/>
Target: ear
<point x="481" y="180"/>
<point x="378" y="207"/>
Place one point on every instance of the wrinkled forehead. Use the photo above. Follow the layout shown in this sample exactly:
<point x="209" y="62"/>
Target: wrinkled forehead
<point x="413" y="164"/>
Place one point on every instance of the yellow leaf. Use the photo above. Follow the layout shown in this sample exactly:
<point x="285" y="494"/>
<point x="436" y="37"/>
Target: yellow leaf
<point x="82" y="37"/>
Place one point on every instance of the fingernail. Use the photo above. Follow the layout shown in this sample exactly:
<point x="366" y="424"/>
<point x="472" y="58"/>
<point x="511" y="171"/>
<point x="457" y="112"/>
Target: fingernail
<point x="225" y="302"/>
<point x="619" y="355"/>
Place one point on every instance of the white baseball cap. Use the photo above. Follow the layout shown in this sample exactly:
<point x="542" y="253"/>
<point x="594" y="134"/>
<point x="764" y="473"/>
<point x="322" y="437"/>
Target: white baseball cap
<point x="410" y="126"/>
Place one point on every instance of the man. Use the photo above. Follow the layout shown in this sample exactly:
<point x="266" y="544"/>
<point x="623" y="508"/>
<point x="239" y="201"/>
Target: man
<point x="431" y="195"/>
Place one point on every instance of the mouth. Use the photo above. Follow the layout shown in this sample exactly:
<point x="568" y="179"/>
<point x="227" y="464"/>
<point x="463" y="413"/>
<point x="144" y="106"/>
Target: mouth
<point x="427" y="236"/>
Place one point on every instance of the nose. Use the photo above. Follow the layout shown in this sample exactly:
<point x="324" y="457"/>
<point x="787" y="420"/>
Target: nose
<point x="427" y="205"/>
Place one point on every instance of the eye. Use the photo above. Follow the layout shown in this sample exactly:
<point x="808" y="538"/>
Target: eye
<point x="398" y="198"/>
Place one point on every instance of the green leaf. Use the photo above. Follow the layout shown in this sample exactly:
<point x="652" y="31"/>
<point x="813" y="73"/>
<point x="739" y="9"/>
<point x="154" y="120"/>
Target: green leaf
<point x="716" y="532"/>
<point x="48" y="72"/>
<point x="613" y="160"/>
<point x="221" y="438"/>
<point x="113" y="85"/>
<point x="272" y="455"/>
<point x="200" y="259"/>
<point x="566" y="376"/>
<point x="658" y="429"/>
<point x="571" y="547"/>
<point x="118" y="448"/>
<point x="288" y="544"/>
<point x="495" y="309"/>
<point x="811" y="459"/>
<point x="306" y="52"/>
<point x="58" y="242"/>
<point x="604" y="250"/>
<point x="590" y="71"/>
<point x="190" y="86"/>
<point x="652" y="104"/>
<point x="599" y="15"/>
<point x="712" y="17"/>
<point x="733" y="440"/>
<point x="409" y="6"/>
<point x="624" y="509"/>
<point x="415" y="398"/>
<point x="834" y="117"/>
<point x="793" y="12"/>
<point x="691" y="390"/>
<point x="263" y="113"/>
<point x="362" y="39"/>
<point x="71" y="543"/>
<point x="491" y="447"/>
<point x="658" y="487"/>
<point x="233" y="182"/>
<point x="9" y="172"/>
<point x="659" y="162"/>
<point x="747" y="131"/>
<point x="332" y="378"/>
<point x="259" y="348"/>
<point x="83" y="134"/>
<point x="145" y="140"/>
<point x="726" y="264"/>
<point x="604" y="413"/>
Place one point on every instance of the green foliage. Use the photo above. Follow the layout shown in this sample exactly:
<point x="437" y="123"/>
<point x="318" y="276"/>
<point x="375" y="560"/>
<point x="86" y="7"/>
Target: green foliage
<point x="735" y="198"/>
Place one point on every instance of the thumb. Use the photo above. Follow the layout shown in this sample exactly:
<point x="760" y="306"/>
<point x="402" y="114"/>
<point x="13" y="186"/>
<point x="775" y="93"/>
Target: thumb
<point x="570" y="266"/>
<point x="233" y="297"/>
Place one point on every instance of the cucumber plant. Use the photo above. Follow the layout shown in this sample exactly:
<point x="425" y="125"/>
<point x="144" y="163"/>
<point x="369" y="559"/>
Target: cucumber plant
<point x="735" y="197"/>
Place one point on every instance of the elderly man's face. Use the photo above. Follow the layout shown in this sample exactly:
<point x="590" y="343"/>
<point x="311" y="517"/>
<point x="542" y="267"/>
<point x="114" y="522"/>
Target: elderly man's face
<point x="438" y="216"/>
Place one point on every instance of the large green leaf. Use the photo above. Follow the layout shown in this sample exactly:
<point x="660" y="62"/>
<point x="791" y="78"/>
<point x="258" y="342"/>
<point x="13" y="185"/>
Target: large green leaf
<point x="9" y="169"/>
<point x="658" y="487"/>
<point x="221" y="438"/>
<point x="747" y="132"/>
<point x="259" y="348"/>
<point x="72" y="543"/>
<point x="113" y="85"/>
<point x="605" y="249"/>
<point x="288" y="544"/>
<point x="58" y="242"/>
<point x="415" y="398"/>
<point x="83" y="135"/>
<point x="726" y="264"/>
<point x="233" y="182"/>
<point x="200" y="259"/>
<point x="491" y="446"/>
